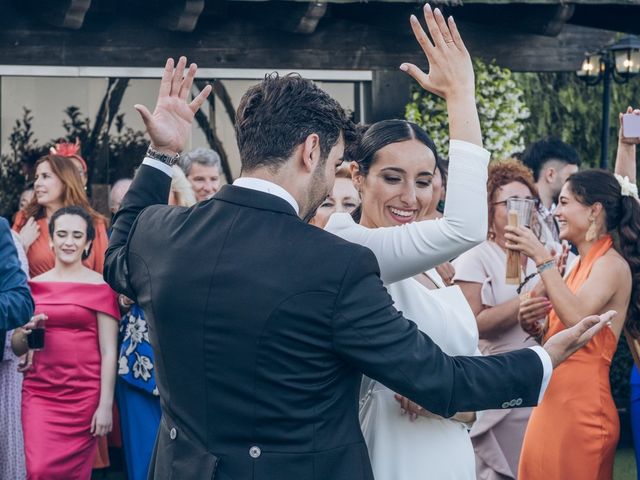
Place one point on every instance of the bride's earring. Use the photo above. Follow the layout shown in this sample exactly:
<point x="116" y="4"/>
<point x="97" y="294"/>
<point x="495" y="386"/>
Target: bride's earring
<point x="592" y="232"/>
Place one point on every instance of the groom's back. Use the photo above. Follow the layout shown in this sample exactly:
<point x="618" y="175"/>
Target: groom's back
<point x="241" y="297"/>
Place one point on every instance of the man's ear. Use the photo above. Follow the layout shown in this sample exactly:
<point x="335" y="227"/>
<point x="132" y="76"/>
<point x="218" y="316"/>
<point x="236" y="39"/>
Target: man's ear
<point x="311" y="152"/>
<point x="550" y="174"/>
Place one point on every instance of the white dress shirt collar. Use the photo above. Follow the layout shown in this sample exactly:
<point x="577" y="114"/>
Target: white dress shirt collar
<point x="267" y="187"/>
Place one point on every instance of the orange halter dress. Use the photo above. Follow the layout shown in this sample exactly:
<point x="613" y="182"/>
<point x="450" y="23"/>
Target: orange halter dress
<point x="574" y="431"/>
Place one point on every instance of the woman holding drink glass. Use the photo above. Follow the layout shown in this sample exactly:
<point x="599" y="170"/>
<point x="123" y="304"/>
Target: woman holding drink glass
<point x="573" y="433"/>
<point x="481" y="274"/>
<point x="67" y="394"/>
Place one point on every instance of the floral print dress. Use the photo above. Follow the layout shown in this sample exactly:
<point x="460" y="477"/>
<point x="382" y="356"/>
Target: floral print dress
<point x="137" y="394"/>
<point x="135" y="363"/>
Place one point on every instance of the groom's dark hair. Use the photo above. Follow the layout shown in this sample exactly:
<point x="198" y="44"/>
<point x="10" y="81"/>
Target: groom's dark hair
<point x="279" y="113"/>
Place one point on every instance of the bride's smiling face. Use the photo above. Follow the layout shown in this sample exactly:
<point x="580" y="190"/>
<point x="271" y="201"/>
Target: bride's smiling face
<point x="398" y="187"/>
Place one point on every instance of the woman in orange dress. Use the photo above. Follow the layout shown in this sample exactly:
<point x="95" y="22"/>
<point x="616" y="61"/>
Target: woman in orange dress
<point x="574" y="431"/>
<point x="57" y="184"/>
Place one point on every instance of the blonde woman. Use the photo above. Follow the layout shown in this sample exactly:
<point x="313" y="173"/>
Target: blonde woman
<point x="181" y="191"/>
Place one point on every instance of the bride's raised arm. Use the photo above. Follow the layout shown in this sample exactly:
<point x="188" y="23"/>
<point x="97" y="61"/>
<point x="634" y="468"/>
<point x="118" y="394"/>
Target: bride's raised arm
<point x="404" y="251"/>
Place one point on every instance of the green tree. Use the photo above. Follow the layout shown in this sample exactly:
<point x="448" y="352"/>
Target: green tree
<point x="12" y="174"/>
<point x="563" y="106"/>
<point x="501" y="109"/>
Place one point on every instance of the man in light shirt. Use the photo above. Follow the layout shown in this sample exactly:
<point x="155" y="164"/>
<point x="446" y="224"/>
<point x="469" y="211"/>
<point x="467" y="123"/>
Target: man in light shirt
<point x="552" y="162"/>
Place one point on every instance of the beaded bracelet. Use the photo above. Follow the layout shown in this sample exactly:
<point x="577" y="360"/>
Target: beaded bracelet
<point x="546" y="266"/>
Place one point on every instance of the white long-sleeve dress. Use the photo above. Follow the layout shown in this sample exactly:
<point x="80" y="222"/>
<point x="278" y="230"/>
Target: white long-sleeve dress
<point x="429" y="448"/>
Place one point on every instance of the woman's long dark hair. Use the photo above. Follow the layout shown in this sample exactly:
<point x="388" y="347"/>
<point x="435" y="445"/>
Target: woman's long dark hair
<point x="623" y="222"/>
<point x="384" y="133"/>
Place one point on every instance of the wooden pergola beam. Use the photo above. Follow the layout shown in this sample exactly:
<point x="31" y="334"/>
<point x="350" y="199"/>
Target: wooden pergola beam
<point x="309" y="21"/>
<point x="292" y="17"/>
<point x="60" y="13"/>
<point x="180" y="15"/>
<point x="242" y="44"/>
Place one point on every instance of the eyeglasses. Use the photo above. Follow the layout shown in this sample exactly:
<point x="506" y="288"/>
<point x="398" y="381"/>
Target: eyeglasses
<point x="536" y="201"/>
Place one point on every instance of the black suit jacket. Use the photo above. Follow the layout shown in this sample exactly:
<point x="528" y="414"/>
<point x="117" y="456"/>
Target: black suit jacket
<point x="262" y="325"/>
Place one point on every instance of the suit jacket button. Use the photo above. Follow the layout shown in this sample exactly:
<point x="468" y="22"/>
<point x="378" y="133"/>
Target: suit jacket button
<point x="173" y="433"/>
<point x="518" y="402"/>
<point x="255" y="452"/>
<point x="505" y="405"/>
<point x="512" y="403"/>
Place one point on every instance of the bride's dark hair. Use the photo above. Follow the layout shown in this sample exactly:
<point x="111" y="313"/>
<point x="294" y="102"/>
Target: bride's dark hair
<point x="378" y="136"/>
<point x="622" y="214"/>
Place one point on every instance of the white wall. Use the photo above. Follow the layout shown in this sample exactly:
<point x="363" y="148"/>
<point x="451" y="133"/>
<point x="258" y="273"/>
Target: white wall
<point x="47" y="97"/>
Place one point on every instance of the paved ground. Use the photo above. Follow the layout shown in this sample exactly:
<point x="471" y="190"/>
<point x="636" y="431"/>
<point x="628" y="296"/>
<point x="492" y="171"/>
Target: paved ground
<point x="624" y="469"/>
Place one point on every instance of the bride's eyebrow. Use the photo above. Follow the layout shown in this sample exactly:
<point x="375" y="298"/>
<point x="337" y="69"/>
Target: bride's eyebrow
<point x="393" y="169"/>
<point x="402" y="171"/>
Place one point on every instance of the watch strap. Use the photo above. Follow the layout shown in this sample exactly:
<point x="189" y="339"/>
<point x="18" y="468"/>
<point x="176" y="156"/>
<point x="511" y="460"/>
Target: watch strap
<point x="170" y="160"/>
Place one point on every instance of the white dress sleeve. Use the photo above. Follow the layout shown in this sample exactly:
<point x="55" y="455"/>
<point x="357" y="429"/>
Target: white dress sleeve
<point x="406" y="250"/>
<point x="22" y="256"/>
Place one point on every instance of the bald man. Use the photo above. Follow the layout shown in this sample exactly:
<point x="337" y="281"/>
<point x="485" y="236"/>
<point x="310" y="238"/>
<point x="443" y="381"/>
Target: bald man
<point x="117" y="193"/>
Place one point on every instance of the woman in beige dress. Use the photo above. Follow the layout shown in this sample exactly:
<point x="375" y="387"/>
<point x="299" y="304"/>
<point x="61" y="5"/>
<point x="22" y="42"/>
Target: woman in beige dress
<point x="497" y="434"/>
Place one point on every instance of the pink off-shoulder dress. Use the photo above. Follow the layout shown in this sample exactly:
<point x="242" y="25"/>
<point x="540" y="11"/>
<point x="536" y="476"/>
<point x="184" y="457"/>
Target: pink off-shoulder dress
<point x="61" y="393"/>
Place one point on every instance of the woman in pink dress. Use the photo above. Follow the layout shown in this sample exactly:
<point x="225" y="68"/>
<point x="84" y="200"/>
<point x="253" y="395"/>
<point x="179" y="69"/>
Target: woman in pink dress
<point x="67" y="394"/>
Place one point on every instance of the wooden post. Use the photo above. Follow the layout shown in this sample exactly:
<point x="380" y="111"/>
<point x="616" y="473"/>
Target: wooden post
<point x="100" y="199"/>
<point x="513" y="257"/>
<point x="390" y="93"/>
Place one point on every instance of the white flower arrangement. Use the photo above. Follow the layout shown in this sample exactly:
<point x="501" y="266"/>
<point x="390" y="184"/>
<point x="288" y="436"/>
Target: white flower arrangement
<point x="501" y="109"/>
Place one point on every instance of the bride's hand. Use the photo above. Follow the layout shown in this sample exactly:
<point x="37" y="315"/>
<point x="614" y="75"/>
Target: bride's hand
<point x="413" y="409"/>
<point x="450" y="68"/>
<point x="450" y="73"/>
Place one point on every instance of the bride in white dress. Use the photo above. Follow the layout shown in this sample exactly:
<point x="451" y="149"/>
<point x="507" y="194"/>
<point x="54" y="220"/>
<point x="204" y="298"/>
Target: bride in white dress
<point x="396" y="162"/>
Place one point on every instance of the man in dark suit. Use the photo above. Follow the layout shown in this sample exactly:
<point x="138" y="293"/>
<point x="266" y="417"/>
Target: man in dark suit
<point x="262" y="324"/>
<point x="16" y="304"/>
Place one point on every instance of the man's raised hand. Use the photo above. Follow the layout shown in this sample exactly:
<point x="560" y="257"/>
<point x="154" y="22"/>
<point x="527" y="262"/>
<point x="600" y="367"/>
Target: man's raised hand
<point x="169" y="125"/>
<point x="566" y="342"/>
<point x="450" y="68"/>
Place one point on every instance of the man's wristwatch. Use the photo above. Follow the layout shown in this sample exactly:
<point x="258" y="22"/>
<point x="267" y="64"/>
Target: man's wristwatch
<point x="163" y="157"/>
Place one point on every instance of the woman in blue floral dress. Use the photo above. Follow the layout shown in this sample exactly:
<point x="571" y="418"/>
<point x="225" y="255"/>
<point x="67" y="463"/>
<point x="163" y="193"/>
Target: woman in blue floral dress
<point x="137" y="394"/>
